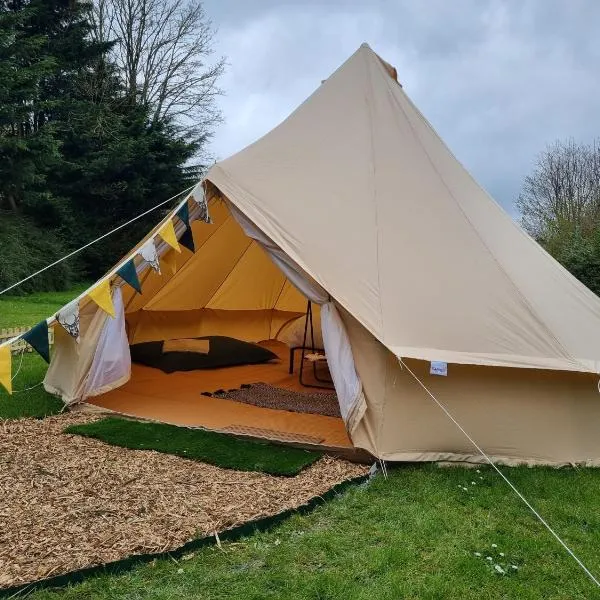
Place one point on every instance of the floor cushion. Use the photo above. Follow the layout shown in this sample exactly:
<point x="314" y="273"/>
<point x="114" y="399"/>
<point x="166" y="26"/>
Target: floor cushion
<point x="223" y="352"/>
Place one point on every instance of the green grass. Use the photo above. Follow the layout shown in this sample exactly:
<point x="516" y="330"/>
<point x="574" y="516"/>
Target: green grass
<point x="24" y="311"/>
<point x="413" y="536"/>
<point x="210" y="447"/>
<point x="35" y="403"/>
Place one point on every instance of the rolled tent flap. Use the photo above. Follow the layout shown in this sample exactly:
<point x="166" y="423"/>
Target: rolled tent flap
<point x="101" y="358"/>
<point x="341" y="365"/>
<point x="71" y="361"/>
<point x="111" y="366"/>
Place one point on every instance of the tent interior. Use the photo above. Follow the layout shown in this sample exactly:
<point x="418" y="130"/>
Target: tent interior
<point x="228" y="287"/>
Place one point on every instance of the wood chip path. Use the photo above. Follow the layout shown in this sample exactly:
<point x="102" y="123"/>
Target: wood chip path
<point x="68" y="502"/>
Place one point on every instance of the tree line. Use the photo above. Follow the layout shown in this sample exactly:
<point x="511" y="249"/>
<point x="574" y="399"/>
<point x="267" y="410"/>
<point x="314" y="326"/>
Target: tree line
<point x="106" y="109"/>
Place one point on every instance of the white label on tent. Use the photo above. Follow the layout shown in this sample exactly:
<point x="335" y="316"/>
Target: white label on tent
<point x="438" y="368"/>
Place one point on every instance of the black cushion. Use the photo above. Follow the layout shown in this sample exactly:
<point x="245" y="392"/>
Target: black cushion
<point x="223" y="352"/>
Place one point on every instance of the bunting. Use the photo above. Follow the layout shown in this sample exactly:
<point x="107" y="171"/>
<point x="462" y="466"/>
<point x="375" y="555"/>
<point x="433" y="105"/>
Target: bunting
<point x="6" y="368"/>
<point x="169" y="260"/>
<point x="167" y="233"/>
<point x="68" y="318"/>
<point x="102" y="297"/>
<point x="37" y="338"/>
<point x="187" y="239"/>
<point x="128" y="274"/>
<point x="184" y="214"/>
<point x="150" y="255"/>
<point x="203" y="206"/>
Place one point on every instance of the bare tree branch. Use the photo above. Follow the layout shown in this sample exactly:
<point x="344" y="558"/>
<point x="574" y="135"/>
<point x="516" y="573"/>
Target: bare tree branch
<point x="163" y="52"/>
<point x="563" y="192"/>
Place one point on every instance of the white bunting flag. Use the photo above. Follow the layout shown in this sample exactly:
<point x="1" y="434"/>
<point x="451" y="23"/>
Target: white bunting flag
<point x="200" y="199"/>
<point x="68" y="317"/>
<point x="150" y="255"/>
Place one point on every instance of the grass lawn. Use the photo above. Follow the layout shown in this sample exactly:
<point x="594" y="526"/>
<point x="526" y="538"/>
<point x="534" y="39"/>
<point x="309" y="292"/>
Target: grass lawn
<point x="207" y="446"/>
<point x="24" y="311"/>
<point x="413" y="536"/>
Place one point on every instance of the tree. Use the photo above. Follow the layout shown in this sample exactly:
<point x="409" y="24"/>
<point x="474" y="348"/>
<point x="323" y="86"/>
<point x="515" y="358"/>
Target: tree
<point x="562" y="195"/>
<point x="27" y="149"/>
<point x="82" y="148"/>
<point x="162" y="51"/>
<point x="560" y="207"/>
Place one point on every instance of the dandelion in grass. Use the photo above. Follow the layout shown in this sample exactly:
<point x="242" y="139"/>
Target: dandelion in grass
<point x="514" y="567"/>
<point x="494" y="545"/>
<point x="477" y="553"/>
<point x="478" y="471"/>
<point x="473" y="483"/>
<point x="501" y="553"/>
<point x="488" y="558"/>
<point x="499" y="569"/>
<point x="466" y="489"/>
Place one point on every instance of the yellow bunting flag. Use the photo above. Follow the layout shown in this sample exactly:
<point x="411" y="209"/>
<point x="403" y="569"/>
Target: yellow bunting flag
<point x="102" y="297"/>
<point x="169" y="260"/>
<point x="167" y="233"/>
<point x="6" y="368"/>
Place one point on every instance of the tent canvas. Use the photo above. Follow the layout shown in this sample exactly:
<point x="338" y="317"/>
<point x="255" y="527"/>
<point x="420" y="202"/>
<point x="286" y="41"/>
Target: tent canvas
<point x="355" y="203"/>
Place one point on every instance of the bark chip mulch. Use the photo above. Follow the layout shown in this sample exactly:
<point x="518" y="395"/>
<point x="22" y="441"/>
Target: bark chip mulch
<point x="69" y="502"/>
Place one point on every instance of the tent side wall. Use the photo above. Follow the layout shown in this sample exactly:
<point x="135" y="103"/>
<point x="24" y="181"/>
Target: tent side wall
<point x="518" y="416"/>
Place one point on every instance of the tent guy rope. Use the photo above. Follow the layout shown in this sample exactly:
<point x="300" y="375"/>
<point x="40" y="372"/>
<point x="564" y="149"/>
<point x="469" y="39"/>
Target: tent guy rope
<point x="508" y="482"/>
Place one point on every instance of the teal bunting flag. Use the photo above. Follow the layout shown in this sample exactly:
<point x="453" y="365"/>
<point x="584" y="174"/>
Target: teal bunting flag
<point x="187" y="239"/>
<point x="37" y="338"/>
<point x="129" y="275"/>
<point x="184" y="214"/>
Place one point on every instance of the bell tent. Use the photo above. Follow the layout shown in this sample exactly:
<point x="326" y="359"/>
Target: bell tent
<point x="354" y="207"/>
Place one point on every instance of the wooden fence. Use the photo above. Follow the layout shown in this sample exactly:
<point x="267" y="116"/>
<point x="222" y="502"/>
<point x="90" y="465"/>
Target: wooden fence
<point x="20" y="345"/>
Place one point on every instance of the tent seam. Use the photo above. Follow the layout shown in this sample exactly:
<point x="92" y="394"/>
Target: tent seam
<point x="374" y="196"/>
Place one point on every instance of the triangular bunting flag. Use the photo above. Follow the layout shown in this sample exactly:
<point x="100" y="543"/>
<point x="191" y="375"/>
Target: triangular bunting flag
<point x="37" y="338"/>
<point x="167" y="233"/>
<point x="6" y="368"/>
<point x="201" y="202"/>
<point x="184" y="214"/>
<point x="149" y="254"/>
<point x="169" y="260"/>
<point x="102" y="297"/>
<point x="187" y="239"/>
<point x="68" y="318"/>
<point x="129" y="275"/>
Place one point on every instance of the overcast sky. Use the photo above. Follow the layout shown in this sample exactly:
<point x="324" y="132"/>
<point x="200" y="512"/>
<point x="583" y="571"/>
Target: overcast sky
<point x="498" y="79"/>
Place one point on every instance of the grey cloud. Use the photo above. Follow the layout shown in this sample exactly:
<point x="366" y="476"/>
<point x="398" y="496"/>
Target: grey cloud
<point x="498" y="79"/>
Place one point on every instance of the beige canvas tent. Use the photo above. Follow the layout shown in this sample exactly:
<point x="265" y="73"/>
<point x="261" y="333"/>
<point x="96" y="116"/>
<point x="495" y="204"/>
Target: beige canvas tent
<point x="354" y="203"/>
